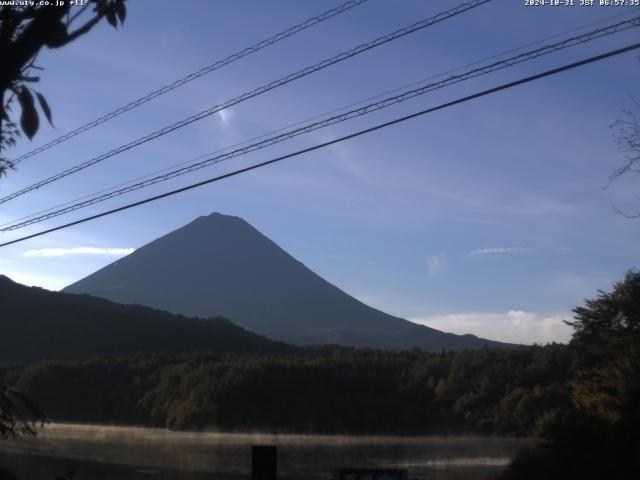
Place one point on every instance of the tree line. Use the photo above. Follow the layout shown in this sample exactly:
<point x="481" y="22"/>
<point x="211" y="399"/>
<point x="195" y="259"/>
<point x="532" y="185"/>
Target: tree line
<point x="328" y="390"/>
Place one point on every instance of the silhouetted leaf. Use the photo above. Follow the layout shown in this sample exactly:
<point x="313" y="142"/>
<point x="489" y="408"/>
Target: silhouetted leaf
<point x="121" y="10"/>
<point x="111" y="17"/>
<point x="45" y="107"/>
<point x="29" y="120"/>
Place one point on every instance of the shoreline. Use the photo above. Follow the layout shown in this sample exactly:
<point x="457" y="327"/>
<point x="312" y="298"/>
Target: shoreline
<point x="135" y="431"/>
<point x="123" y="452"/>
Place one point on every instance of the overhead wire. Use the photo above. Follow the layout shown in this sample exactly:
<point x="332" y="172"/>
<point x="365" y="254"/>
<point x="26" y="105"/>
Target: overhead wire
<point x="324" y="114"/>
<point x="386" y="102"/>
<point x="194" y="75"/>
<point x="253" y="93"/>
<point x="395" y="121"/>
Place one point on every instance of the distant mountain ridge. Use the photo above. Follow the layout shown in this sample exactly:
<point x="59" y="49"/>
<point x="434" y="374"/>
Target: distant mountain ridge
<point x="219" y="265"/>
<point x="37" y="324"/>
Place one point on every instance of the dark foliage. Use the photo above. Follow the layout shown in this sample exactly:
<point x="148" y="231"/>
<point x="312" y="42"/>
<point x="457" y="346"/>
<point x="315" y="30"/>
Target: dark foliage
<point x="18" y="414"/>
<point x="25" y="29"/>
<point x="331" y="390"/>
<point x="598" y="436"/>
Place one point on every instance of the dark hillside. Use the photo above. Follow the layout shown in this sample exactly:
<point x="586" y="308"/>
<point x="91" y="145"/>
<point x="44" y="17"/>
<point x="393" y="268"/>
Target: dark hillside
<point x="37" y="324"/>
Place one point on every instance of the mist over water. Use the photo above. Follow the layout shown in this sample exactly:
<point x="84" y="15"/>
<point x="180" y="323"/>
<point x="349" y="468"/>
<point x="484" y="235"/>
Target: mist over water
<point x="96" y="453"/>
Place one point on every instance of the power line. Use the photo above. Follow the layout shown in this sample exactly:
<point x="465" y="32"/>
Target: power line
<point x="509" y="62"/>
<point x="458" y="101"/>
<point x="258" y="91"/>
<point x="324" y="114"/>
<point x="192" y="76"/>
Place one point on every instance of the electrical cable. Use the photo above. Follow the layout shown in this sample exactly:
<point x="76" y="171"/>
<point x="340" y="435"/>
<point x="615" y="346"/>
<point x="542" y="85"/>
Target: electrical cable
<point x="509" y="62"/>
<point x="458" y="101"/>
<point x="315" y="117"/>
<point x="258" y="91"/>
<point x="192" y="76"/>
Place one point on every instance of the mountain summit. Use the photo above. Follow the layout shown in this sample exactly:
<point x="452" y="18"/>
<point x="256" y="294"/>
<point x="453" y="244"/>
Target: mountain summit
<point x="219" y="265"/>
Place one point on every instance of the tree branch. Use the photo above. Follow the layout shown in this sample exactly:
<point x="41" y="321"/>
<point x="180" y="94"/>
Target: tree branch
<point x="86" y="28"/>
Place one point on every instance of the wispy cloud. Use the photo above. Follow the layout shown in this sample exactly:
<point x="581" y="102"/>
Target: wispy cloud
<point x="514" y="326"/>
<point x="495" y="251"/>
<point x="225" y="116"/>
<point x="436" y="263"/>
<point x="63" y="252"/>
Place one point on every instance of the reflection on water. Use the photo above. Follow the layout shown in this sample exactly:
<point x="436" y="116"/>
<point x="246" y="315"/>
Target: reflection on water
<point x="97" y="453"/>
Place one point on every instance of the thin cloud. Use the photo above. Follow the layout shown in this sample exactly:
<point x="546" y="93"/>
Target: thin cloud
<point x="225" y="116"/>
<point x="514" y="326"/>
<point x="436" y="263"/>
<point x="63" y="252"/>
<point x="495" y="251"/>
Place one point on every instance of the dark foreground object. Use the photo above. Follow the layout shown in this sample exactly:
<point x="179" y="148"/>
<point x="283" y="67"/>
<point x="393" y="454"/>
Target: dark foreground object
<point x="264" y="462"/>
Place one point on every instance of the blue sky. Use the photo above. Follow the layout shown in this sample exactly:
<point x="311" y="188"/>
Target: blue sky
<point x="489" y="217"/>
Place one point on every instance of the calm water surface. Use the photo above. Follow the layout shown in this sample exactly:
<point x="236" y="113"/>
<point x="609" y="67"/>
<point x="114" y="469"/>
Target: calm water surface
<point x="100" y="453"/>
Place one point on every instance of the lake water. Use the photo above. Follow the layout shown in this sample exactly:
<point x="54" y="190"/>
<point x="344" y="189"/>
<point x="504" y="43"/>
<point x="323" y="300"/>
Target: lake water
<point x="101" y="453"/>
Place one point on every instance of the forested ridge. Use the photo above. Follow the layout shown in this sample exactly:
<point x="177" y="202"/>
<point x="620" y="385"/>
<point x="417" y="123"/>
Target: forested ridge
<point x="38" y="324"/>
<point x="329" y="390"/>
